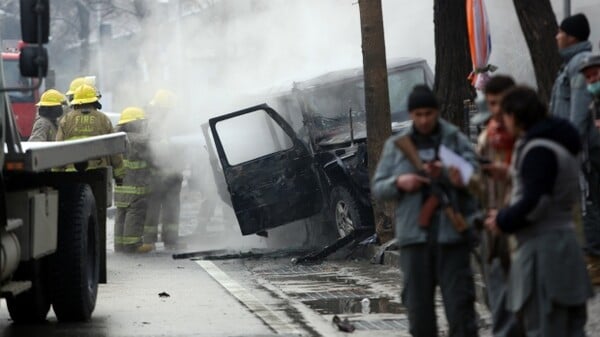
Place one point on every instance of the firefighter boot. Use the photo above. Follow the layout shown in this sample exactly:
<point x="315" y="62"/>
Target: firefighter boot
<point x="593" y="267"/>
<point x="145" y="248"/>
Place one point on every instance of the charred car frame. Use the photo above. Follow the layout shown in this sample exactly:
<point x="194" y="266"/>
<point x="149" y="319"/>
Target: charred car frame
<point x="304" y="153"/>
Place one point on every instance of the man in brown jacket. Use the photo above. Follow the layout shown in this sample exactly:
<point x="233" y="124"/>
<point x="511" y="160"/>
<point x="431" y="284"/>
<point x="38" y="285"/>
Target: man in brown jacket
<point x="495" y="146"/>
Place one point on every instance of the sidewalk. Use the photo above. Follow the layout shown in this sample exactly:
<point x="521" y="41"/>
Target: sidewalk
<point x="392" y="258"/>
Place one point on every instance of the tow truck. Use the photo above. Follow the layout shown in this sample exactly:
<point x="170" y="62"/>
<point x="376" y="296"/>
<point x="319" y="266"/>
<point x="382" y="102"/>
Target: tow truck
<point x="52" y="223"/>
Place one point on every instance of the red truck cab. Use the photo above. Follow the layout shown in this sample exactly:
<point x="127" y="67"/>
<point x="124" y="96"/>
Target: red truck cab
<point x="22" y="102"/>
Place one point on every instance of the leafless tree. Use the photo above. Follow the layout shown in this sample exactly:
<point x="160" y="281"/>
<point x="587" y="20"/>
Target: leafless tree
<point x="377" y="102"/>
<point x="453" y="62"/>
<point x="539" y="27"/>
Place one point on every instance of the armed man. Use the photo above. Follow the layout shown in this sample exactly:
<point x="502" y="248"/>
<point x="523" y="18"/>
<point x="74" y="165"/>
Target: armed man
<point x="50" y="109"/>
<point x="432" y="205"/>
<point x="85" y="120"/>
<point x="591" y="70"/>
<point x="131" y="197"/>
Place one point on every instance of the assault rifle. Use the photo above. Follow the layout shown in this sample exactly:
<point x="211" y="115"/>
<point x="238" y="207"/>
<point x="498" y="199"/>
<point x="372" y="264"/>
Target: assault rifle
<point x="439" y="197"/>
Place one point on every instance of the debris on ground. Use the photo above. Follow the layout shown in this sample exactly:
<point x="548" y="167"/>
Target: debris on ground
<point x="163" y="295"/>
<point x="343" y="325"/>
<point x="371" y="240"/>
<point x="199" y="254"/>
<point x="353" y="238"/>
<point x="232" y="255"/>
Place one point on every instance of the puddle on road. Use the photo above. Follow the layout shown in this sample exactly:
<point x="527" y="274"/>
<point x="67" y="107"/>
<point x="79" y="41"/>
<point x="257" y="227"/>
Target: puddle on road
<point x="315" y="278"/>
<point x="336" y="306"/>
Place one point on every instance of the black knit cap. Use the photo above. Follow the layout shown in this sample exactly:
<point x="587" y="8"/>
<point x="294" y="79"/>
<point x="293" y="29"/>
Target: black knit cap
<point x="422" y="97"/>
<point x="577" y="26"/>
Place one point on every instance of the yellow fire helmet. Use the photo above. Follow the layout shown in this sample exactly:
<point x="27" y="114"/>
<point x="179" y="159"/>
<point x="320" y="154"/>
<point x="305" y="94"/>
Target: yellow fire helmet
<point x="91" y="80"/>
<point x="76" y="83"/>
<point x="131" y="114"/>
<point x="163" y="99"/>
<point x="84" y="94"/>
<point x="79" y="81"/>
<point x="52" y="97"/>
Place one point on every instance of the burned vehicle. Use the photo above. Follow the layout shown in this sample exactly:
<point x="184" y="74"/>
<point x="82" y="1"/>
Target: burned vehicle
<point x="304" y="152"/>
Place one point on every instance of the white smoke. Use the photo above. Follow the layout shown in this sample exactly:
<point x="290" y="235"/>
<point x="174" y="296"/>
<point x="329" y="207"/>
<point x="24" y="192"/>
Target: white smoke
<point x="220" y="56"/>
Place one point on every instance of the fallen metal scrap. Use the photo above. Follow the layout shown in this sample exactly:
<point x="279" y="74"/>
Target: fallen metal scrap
<point x="232" y="255"/>
<point x="353" y="237"/>
<point x="307" y="256"/>
<point x="343" y="325"/>
<point x="390" y="245"/>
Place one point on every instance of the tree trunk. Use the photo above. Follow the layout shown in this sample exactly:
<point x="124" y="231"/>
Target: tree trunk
<point x="377" y="102"/>
<point x="452" y="60"/>
<point x="83" y="15"/>
<point x="539" y="27"/>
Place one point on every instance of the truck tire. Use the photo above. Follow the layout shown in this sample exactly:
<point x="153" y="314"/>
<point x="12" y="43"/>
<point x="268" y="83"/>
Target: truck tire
<point x="33" y="305"/>
<point x="77" y="258"/>
<point x="346" y="212"/>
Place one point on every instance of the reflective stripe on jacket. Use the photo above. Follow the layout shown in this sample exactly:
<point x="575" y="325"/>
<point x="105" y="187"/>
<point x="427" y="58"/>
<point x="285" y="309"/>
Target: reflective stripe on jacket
<point x="79" y="124"/>
<point x="137" y="175"/>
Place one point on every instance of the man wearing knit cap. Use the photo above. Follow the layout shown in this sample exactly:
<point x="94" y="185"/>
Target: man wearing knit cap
<point x="569" y="97"/>
<point x="571" y="100"/>
<point x="434" y="251"/>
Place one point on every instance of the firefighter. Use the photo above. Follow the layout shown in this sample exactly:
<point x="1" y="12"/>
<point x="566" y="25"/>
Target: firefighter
<point x="85" y="120"/>
<point x="50" y="109"/>
<point x="164" y="202"/>
<point x="79" y="81"/>
<point x="75" y="83"/>
<point x="131" y="196"/>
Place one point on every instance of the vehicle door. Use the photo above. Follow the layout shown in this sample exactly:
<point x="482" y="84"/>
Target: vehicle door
<point x="213" y="161"/>
<point x="269" y="171"/>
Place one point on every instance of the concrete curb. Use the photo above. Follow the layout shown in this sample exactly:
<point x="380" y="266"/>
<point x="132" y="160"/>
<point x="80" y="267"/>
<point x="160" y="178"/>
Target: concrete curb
<point x="390" y="257"/>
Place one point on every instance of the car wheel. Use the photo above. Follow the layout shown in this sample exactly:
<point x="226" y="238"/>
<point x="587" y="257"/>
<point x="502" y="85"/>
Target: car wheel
<point x="346" y="211"/>
<point x="76" y="262"/>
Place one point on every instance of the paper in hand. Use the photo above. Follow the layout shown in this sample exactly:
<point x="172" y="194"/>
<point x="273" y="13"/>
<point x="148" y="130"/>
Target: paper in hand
<point x="450" y="158"/>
